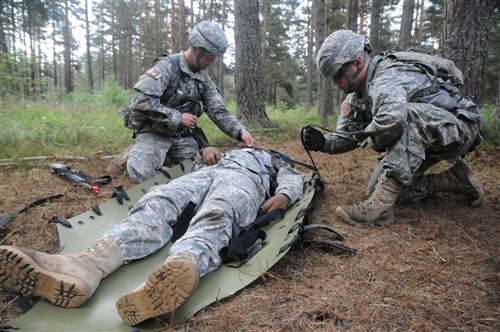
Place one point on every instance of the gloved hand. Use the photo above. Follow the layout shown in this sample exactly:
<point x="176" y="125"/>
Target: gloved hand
<point x="313" y="139"/>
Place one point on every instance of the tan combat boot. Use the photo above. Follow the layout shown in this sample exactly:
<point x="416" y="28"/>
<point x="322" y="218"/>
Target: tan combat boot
<point x="459" y="179"/>
<point x="118" y="164"/>
<point x="166" y="289"/>
<point x="377" y="209"/>
<point x="65" y="280"/>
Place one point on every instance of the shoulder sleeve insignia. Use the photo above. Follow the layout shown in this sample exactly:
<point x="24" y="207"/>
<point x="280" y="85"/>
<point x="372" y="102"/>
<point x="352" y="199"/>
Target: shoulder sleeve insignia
<point x="345" y="108"/>
<point x="153" y="72"/>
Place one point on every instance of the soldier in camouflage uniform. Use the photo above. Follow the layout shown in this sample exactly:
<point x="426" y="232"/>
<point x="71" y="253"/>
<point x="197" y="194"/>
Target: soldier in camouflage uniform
<point x="232" y="191"/>
<point x="388" y="109"/>
<point x="169" y="99"/>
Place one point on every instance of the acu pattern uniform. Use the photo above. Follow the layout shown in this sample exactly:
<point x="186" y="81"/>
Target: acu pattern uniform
<point x="415" y="118"/>
<point x="168" y="89"/>
<point x="231" y="191"/>
<point x="414" y="132"/>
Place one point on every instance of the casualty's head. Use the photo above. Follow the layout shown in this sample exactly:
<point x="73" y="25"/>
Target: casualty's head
<point x="208" y="41"/>
<point x="339" y="55"/>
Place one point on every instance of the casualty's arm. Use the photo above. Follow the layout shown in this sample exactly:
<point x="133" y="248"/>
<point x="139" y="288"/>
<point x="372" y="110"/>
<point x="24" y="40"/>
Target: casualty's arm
<point x="290" y="183"/>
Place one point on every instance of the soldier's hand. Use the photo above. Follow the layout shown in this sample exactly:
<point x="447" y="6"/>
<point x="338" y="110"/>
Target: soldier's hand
<point x="247" y="138"/>
<point x="211" y="155"/>
<point x="278" y="201"/>
<point x="313" y="139"/>
<point x="188" y="120"/>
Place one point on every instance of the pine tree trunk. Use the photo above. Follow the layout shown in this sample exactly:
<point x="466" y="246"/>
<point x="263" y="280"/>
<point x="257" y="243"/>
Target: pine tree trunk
<point x="113" y="40"/>
<point x="157" y="27"/>
<point x="90" y="77"/>
<point x="68" y="78"/>
<point x="375" y="26"/>
<point x="173" y="43"/>
<point x="465" y="40"/>
<point x="406" y="24"/>
<point x="310" y="63"/>
<point x="220" y="80"/>
<point x="249" y="74"/>
<point x="325" y="90"/>
<point x="352" y="15"/>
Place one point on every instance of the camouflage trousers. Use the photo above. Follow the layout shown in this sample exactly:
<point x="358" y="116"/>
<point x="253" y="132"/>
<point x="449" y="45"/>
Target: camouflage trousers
<point x="151" y="151"/>
<point x="222" y="196"/>
<point x="418" y="149"/>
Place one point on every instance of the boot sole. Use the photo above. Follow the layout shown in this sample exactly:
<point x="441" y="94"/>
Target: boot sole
<point x="167" y="288"/>
<point x="342" y="214"/>
<point x="23" y="275"/>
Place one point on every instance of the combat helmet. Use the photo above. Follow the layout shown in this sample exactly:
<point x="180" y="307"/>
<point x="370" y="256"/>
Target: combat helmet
<point x="339" y="48"/>
<point x="210" y="36"/>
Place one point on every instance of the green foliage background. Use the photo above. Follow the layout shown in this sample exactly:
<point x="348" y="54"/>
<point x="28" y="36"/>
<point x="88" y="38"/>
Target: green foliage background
<point x="84" y="124"/>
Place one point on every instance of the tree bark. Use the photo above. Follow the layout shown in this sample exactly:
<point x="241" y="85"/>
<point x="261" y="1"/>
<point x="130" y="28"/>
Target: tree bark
<point x="325" y="90"/>
<point x="173" y="43"/>
<point x="406" y="24"/>
<point x="113" y="40"/>
<point x="249" y="76"/>
<point x="375" y="26"/>
<point x="310" y="62"/>
<point x="182" y="25"/>
<point x="220" y="80"/>
<point x="352" y="15"/>
<point x="68" y="77"/>
<point x="90" y="77"/>
<point x="465" y="40"/>
<point x="157" y="27"/>
<point x="420" y="30"/>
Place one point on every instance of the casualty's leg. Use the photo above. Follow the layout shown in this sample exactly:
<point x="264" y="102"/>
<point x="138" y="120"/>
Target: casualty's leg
<point x="166" y="289"/>
<point x="232" y="198"/>
<point x="65" y="280"/>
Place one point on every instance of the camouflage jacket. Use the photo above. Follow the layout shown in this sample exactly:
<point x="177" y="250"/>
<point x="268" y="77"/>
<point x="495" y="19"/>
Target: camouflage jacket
<point x="275" y="175"/>
<point x="392" y="102"/>
<point x="170" y="88"/>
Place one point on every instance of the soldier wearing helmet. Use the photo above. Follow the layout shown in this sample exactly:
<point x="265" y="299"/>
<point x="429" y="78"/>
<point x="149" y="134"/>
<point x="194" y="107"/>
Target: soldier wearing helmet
<point x="170" y="97"/>
<point x="400" y="109"/>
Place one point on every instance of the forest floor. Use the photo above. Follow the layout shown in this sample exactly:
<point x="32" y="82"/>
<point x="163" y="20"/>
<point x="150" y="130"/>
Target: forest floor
<point x="436" y="269"/>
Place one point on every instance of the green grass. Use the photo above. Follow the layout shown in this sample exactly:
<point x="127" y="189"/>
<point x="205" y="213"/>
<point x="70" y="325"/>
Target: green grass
<point x="87" y="125"/>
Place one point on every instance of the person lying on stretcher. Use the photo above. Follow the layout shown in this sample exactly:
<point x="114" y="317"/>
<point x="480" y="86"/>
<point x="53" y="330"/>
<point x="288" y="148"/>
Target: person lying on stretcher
<point x="241" y="184"/>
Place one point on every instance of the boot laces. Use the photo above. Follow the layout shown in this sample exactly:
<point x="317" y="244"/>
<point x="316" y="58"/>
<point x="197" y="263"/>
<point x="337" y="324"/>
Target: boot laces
<point x="364" y="207"/>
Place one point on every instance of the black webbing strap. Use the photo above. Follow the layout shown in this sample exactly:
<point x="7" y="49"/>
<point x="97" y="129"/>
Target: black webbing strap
<point x="182" y="223"/>
<point x="9" y="217"/>
<point x="301" y="242"/>
<point x="19" y="299"/>
<point x="247" y="241"/>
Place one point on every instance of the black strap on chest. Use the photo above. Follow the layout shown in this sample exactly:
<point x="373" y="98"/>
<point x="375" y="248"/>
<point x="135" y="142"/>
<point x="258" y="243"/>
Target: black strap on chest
<point x="174" y="80"/>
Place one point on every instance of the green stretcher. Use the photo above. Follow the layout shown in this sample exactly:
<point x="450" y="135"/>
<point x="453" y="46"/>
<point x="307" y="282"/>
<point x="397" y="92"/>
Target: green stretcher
<point x="99" y="313"/>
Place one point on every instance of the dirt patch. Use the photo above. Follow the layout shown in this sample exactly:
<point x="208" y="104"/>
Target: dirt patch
<point x="436" y="268"/>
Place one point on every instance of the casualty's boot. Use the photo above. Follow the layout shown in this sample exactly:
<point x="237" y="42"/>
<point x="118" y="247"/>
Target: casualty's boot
<point x="118" y="164"/>
<point x="65" y="280"/>
<point x="377" y="209"/>
<point x="166" y="289"/>
<point x="459" y="179"/>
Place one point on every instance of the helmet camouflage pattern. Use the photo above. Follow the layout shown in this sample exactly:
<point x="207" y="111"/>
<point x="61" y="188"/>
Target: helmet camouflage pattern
<point x="210" y="36"/>
<point x="339" y="48"/>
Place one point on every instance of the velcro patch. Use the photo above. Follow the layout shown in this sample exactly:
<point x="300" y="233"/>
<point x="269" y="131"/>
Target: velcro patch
<point x="345" y="108"/>
<point x="153" y="72"/>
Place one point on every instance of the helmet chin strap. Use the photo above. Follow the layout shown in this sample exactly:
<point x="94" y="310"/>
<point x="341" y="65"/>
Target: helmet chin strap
<point x="351" y="77"/>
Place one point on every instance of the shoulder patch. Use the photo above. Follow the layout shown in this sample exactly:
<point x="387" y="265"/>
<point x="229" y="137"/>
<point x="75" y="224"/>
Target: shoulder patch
<point x="153" y="72"/>
<point x="345" y="108"/>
